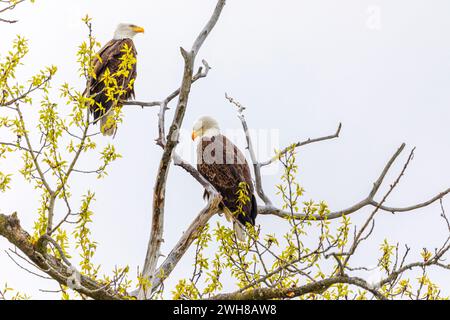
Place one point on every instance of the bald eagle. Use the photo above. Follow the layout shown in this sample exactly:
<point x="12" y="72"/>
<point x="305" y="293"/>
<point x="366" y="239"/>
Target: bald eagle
<point x="107" y="62"/>
<point x="225" y="167"/>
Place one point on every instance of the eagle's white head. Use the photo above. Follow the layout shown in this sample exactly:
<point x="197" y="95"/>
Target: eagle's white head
<point x="205" y="127"/>
<point x="127" y="31"/>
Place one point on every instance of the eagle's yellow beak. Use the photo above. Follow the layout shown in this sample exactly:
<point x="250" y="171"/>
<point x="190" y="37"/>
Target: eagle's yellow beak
<point x="138" y="29"/>
<point x="194" y="135"/>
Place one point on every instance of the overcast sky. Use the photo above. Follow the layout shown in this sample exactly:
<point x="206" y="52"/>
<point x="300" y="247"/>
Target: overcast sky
<point x="381" y="67"/>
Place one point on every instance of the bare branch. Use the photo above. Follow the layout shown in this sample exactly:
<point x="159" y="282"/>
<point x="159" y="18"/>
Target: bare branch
<point x="359" y="236"/>
<point x="11" y="6"/>
<point x="8" y="21"/>
<point x="156" y="236"/>
<point x="201" y="73"/>
<point x="186" y="240"/>
<point x="369" y="201"/>
<point x="26" y="269"/>
<point x="258" y="165"/>
<point x="303" y="143"/>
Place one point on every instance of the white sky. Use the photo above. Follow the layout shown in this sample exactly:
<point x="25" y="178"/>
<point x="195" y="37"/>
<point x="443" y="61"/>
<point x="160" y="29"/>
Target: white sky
<point x="300" y="67"/>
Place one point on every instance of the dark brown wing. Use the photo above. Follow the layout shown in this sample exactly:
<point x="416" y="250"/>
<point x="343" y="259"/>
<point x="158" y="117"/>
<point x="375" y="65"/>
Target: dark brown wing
<point x="108" y="58"/>
<point x="225" y="167"/>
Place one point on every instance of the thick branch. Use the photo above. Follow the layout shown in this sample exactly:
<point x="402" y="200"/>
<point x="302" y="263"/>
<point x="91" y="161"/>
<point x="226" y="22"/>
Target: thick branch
<point x="289" y="293"/>
<point x="156" y="236"/>
<point x="187" y="239"/>
<point x="11" y="230"/>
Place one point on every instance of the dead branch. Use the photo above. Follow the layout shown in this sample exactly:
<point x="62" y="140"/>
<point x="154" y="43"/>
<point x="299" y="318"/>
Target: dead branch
<point x="201" y="73"/>
<point x="187" y="239"/>
<point x="156" y="236"/>
<point x="359" y="236"/>
<point x="270" y="209"/>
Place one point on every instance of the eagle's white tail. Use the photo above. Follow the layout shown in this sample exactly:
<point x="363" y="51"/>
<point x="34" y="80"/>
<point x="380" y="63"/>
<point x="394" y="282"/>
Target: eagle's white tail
<point x="107" y="128"/>
<point x="239" y="230"/>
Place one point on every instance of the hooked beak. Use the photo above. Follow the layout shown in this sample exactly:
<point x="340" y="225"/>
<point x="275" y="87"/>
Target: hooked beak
<point x="138" y="29"/>
<point x="194" y="135"/>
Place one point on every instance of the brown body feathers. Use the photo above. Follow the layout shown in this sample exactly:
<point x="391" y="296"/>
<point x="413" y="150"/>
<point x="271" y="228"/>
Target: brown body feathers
<point x="109" y="58"/>
<point x="225" y="167"/>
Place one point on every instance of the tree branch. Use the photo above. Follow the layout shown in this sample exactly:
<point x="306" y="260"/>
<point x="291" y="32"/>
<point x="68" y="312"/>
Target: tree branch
<point x="289" y="293"/>
<point x="11" y="230"/>
<point x="301" y="144"/>
<point x="156" y="236"/>
<point x="201" y="73"/>
<point x="269" y="208"/>
<point x="11" y="6"/>
<point x="187" y="239"/>
<point x="368" y="201"/>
